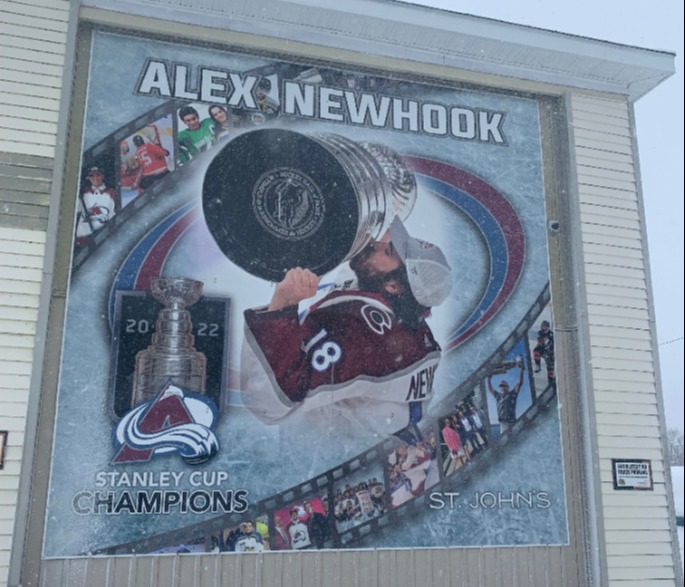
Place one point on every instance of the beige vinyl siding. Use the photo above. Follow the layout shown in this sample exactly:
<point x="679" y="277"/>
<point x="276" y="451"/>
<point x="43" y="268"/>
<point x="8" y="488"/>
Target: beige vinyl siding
<point x="636" y="524"/>
<point x="32" y="44"/>
<point x="32" y="54"/>
<point x="21" y="259"/>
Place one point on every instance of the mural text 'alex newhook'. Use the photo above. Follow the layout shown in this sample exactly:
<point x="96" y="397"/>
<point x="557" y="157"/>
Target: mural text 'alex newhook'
<point x="308" y="100"/>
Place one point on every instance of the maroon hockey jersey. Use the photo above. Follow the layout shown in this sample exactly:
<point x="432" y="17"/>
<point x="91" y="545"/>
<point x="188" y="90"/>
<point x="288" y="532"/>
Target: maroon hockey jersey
<point x="348" y="353"/>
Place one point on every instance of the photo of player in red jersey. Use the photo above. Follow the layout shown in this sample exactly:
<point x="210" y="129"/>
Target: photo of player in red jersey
<point x="97" y="205"/>
<point x="153" y="163"/>
<point x="364" y="352"/>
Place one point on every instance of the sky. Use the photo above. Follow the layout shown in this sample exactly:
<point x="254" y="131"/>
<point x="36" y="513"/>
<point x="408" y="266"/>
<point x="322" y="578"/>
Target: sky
<point x="657" y="24"/>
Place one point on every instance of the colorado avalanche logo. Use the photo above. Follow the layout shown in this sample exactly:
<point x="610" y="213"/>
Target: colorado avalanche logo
<point x="173" y="422"/>
<point x="376" y="319"/>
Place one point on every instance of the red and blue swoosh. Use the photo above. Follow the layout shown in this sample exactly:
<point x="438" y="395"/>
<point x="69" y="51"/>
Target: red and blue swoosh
<point x="487" y="208"/>
<point x="497" y="221"/>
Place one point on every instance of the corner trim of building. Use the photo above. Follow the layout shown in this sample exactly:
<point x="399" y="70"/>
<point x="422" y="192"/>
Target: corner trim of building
<point x="598" y="572"/>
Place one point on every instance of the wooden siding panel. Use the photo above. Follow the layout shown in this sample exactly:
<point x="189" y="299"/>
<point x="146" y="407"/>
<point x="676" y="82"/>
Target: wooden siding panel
<point x="11" y="65"/>
<point x="637" y="561"/>
<point x="611" y="272"/>
<point x="627" y="333"/>
<point x="614" y="256"/>
<point x="600" y="197"/>
<point x="600" y="107"/>
<point x="610" y="233"/>
<point x="605" y="182"/>
<point x="639" y="574"/>
<point x="44" y="41"/>
<point x="631" y="434"/>
<point x="26" y="112"/>
<point x="594" y="123"/>
<point x="624" y="376"/>
<point x="20" y="301"/>
<point x="598" y="237"/>
<point x="594" y="159"/>
<point x="55" y="4"/>
<point x="630" y="298"/>
<point x="609" y="217"/>
<point x="622" y="442"/>
<point x="631" y="523"/>
<point x="615" y="214"/>
<point x="26" y="54"/>
<point x="17" y="76"/>
<point x="635" y="500"/>
<point x="30" y="101"/>
<point x="593" y="173"/>
<point x="627" y="197"/>
<point x="27" y="148"/>
<point x="637" y="316"/>
<point x="27" y="128"/>
<point x="593" y="138"/>
<point x="627" y="408"/>
<point x="629" y="543"/>
<point x="594" y="275"/>
<point x="623" y="419"/>
<point x="611" y="352"/>
<point x="29" y="89"/>
<point x="627" y="366"/>
<point x="41" y="138"/>
<point x="41" y="22"/>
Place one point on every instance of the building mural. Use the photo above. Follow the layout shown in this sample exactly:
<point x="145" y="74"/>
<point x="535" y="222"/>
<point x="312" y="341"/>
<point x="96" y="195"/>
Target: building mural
<point x="309" y="308"/>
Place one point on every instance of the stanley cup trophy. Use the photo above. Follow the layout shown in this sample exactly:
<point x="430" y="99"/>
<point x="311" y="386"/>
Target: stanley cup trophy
<point x="275" y="199"/>
<point x="171" y="356"/>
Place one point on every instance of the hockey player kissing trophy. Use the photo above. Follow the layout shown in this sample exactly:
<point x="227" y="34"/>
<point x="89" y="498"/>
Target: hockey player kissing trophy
<point x="360" y="361"/>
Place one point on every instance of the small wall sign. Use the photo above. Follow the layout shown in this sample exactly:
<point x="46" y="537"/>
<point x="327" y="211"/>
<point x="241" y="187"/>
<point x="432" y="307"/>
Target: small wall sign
<point x="633" y="474"/>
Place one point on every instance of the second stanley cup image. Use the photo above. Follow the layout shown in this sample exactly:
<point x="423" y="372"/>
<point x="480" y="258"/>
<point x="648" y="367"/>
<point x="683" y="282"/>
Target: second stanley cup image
<point x="171" y="357"/>
<point x="275" y="199"/>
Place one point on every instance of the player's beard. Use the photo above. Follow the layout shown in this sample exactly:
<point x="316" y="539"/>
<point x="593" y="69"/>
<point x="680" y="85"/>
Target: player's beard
<point x="407" y="310"/>
<point x="367" y="278"/>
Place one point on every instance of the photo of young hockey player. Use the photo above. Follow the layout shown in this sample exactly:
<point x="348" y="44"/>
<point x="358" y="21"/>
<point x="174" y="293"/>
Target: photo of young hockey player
<point x="544" y="371"/>
<point x="195" y="131"/>
<point x="412" y="469"/>
<point x="244" y="537"/>
<point x="302" y="525"/>
<point x="509" y="390"/>
<point x="97" y="204"/>
<point x="359" y="498"/>
<point x="153" y="148"/>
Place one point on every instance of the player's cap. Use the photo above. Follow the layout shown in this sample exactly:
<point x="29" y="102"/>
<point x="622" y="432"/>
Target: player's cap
<point x="93" y="170"/>
<point x="264" y="83"/>
<point x="429" y="274"/>
<point x="503" y="384"/>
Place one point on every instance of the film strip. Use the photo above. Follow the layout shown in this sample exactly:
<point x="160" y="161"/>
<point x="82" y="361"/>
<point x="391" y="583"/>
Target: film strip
<point x="373" y="468"/>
